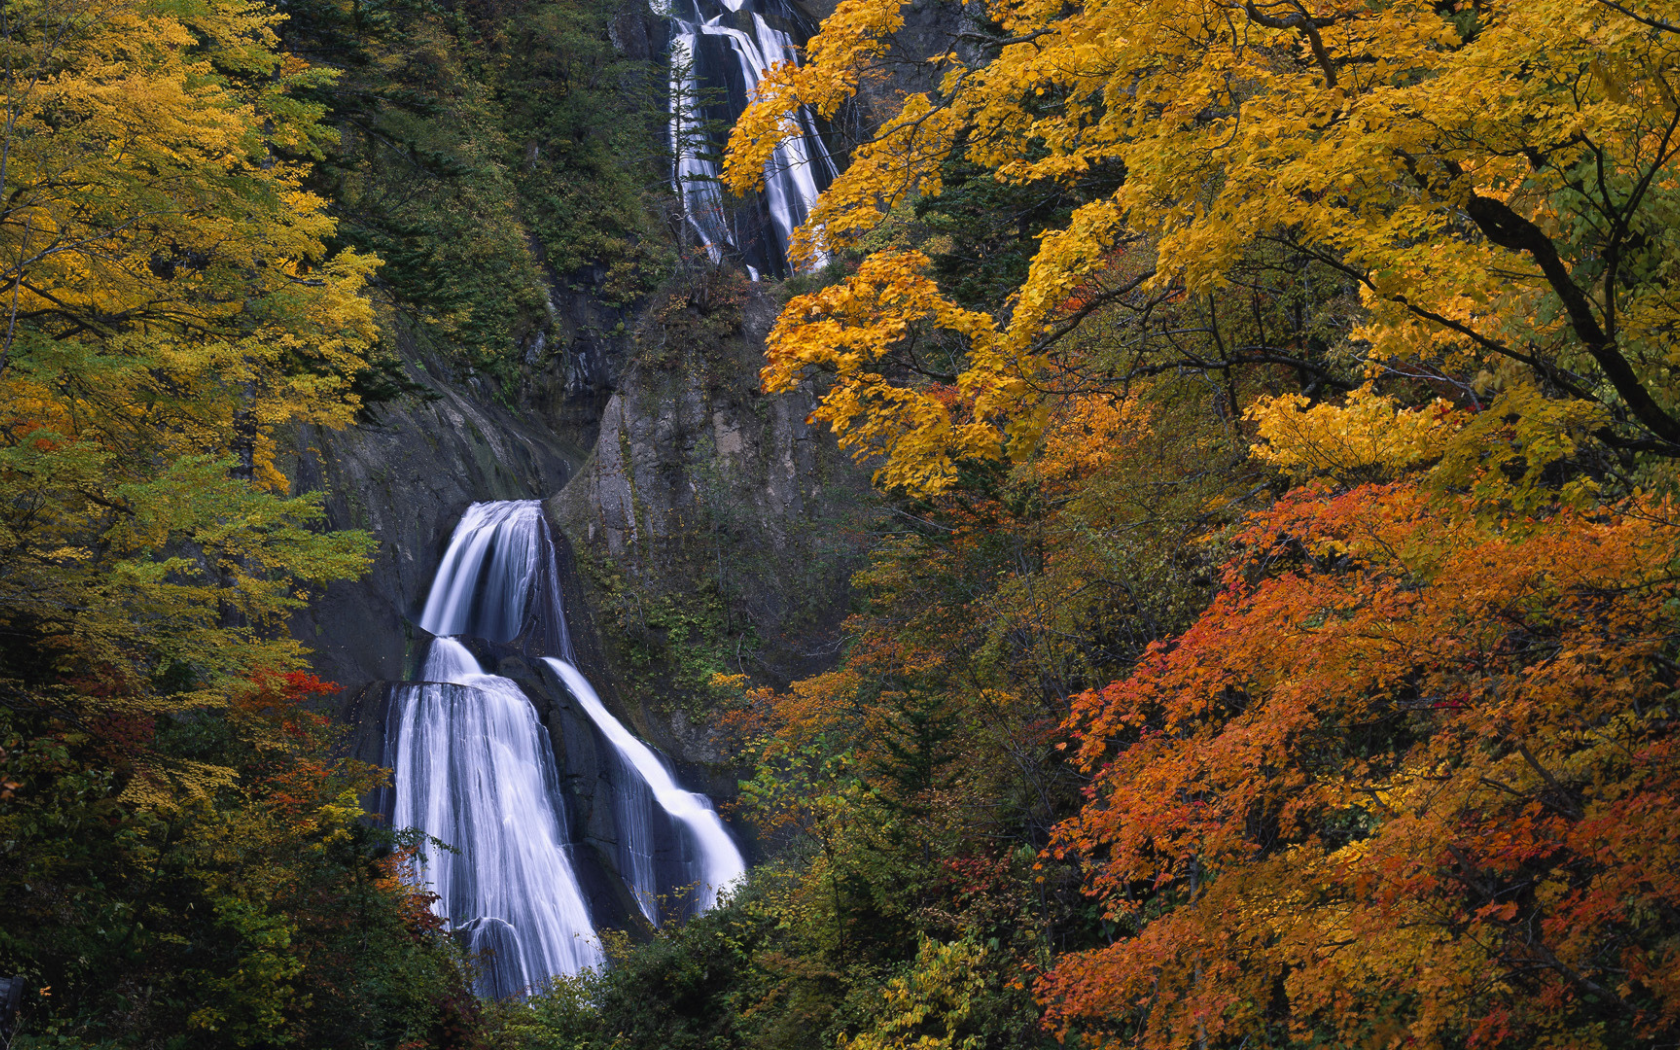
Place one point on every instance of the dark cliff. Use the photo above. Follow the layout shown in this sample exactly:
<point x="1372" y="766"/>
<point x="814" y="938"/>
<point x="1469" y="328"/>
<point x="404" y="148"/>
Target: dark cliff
<point x="556" y="344"/>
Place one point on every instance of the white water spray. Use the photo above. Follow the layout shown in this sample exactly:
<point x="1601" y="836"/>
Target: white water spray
<point x="484" y="581"/>
<point x="474" y="769"/>
<point x="718" y="863"/>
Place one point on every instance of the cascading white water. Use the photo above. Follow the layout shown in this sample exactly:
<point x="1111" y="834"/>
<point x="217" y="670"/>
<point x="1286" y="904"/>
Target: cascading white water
<point x="718" y="862"/>
<point x="800" y="162"/>
<point x="474" y="769"/>
<point x="483" y="584"/>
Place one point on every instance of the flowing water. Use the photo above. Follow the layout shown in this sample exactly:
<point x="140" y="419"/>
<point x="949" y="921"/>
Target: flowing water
<point x="497" y="579"/>
<point x="473" y="767"/>
<point x="719" y="51"/>
<point x="716" y="864"/>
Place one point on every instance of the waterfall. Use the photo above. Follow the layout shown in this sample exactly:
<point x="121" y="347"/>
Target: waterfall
<point x="474" y="769"/>
<point x="499" y="559"/>
<point x="473" y="766"/>
<point x="718" y="864"/>
<point x="709" y="55"/>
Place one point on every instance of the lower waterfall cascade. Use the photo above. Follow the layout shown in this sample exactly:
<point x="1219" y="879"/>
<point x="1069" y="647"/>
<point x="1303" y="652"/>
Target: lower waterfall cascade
<point x="474" y="768"/>
<point x="717" y="864"/>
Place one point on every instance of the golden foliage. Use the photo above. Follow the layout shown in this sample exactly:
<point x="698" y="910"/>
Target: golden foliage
<point x="1482" y="211"/>
<point x="170" y="305"/>
<point x="1367" y="432"/>
<point x="926" y="1008"/>
<point x="845" y="329"/>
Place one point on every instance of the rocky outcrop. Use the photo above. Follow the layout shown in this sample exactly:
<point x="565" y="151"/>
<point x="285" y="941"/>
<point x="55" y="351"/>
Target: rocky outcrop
<point x="717" y="527"/>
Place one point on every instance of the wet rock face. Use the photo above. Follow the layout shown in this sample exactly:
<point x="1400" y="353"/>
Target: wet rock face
<point x="669" y="455"/>
<point x="406" y="479"/>
<point x="717" y="528"/>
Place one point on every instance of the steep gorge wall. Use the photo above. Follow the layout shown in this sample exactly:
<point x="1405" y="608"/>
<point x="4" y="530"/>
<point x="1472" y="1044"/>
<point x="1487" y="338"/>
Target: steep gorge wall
<point x="709" y="517"/>
<point x="716" y="527"/>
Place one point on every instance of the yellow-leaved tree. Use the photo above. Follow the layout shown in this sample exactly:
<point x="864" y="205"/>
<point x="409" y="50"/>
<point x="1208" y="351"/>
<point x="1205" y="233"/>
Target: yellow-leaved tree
<point x="169" y="304"/>
<point x="1494" y="181"/>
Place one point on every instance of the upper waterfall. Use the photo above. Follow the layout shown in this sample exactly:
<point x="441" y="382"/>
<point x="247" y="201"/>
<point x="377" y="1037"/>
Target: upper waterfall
<point x="724" y="50"/>
<point x="497" y="580"/>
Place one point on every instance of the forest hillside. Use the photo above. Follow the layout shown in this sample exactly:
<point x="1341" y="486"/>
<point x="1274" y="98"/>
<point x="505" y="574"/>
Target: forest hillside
<point x="1267" y="609"/>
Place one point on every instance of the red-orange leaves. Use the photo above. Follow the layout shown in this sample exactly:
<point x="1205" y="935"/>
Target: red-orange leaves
<point x="1410" y="780"/>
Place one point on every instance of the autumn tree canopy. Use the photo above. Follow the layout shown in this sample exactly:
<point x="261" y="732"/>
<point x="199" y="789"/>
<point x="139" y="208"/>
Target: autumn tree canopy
<point x="1492" y="180"/>
<point x="183" y="859"/>
<point x="1403" y="779"/>
<point x="170" y="304"/>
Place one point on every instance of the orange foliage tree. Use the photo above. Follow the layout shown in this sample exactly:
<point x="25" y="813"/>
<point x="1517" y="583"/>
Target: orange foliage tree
<point x="1409" y="780"/>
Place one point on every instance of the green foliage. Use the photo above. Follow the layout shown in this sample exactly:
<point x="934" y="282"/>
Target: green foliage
<point x="982" y="233"/>
<point x="775" y="968"/>
<point x="671" y="644"/>
<point x="483" y="151"/>
<point x="589" y="123"/>
<point x="683" y="990"/>
<point x="261" y="913"/>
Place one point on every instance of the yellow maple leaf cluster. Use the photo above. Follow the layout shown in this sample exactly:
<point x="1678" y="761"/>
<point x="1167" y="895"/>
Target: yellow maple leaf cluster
<point x="1495" y="181"/>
